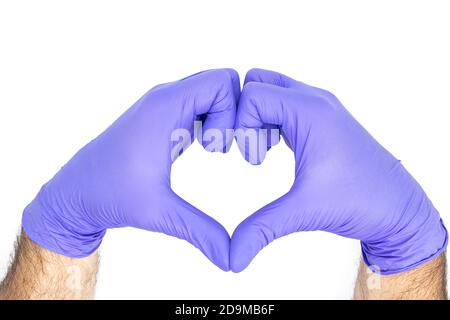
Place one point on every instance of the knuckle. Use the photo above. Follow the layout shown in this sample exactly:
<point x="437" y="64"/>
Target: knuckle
<point x="252" y="74"/>
<point x="223" y="76"/>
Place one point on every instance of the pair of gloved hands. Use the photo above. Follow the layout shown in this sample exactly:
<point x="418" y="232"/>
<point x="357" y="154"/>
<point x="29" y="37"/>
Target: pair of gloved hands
<point x="345" y="182"/>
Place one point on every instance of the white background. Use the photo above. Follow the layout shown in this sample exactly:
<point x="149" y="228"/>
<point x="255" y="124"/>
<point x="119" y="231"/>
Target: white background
<point x="70" y="68"/>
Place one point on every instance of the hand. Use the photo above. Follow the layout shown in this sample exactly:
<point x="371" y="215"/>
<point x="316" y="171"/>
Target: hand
<point x="122" y="178"/>
<point x="345" y="182"/>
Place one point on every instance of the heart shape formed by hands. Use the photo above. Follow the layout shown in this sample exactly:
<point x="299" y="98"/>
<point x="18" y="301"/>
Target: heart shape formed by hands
<point x="345" y="182"/>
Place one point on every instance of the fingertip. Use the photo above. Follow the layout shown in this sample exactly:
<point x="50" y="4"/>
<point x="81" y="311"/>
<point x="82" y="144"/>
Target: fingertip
<point x="255" y="233"/>
<point x="217" y="133"/>
<point x="241" y="254"/>
<point x="222" y="261"/>
<point x="250" y="146"/>
<point x="214" y="145"/>
<point x="217" y="247"/>
<point x="218" y="252"/>
<point x="238" y="261"/>
<point x="238" y="268"/>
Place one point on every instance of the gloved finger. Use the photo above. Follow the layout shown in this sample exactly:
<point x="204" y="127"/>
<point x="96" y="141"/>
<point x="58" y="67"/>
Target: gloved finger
<point x="272" y="133"/>
<point x="213" y="96"/>
<point x="262" y="106"/>
<point x="281" y="80"/>
<point x="184" y="221"/>
<point x="269" y="77"/>
<point x="257" y="231"/>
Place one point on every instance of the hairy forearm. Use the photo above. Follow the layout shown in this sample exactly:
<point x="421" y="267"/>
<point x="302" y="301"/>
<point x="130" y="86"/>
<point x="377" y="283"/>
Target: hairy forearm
<point x="425" y="282"/>
<point x="37" y="273"/>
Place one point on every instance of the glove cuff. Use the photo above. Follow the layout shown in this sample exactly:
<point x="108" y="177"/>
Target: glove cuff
<point x="54" y="235"/>
<point x="411" y="246"/>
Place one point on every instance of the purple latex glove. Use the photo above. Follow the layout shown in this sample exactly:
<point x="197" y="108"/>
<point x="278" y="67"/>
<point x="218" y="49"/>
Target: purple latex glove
<point x="345" y="182"/>
<point x="122" y="178"/>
